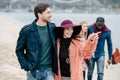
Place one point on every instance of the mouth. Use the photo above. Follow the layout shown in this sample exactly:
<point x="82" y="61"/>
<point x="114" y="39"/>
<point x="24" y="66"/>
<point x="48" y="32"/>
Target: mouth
<point x="69" y="35"/>
<point x="100" y="27"/>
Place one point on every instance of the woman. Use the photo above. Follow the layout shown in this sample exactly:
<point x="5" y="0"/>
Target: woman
<point x="84" y="31"/>
<point x="83" y="35"/>
<point x="72" y="50"/>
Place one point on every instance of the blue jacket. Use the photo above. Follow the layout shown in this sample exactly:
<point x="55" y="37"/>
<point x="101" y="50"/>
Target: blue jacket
<point x="105" y="35"/>
<point x="28" y="47"/>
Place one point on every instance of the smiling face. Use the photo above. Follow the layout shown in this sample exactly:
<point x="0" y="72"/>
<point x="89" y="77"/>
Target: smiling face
<point x="100" y="26"/>
<point x="46" y="15"/>
<point x="84" y="27"/>
<point x="67" y="32"/>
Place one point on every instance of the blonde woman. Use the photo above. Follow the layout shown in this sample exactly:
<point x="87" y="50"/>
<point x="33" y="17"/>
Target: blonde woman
<point x="84" y="34"/>
<point x="84" y="31"/>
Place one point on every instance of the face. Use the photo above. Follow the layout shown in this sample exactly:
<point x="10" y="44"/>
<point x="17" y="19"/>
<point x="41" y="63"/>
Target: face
<point x="100" y="26"/>
<point x="84" y="27"/>
<point x="46" y="15"/>
<point x="68" y="32"/>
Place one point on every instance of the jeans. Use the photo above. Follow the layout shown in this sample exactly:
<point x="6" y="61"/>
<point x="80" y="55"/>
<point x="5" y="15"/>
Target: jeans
<point x="42" y="74"/>
<point x="100" y="67"/>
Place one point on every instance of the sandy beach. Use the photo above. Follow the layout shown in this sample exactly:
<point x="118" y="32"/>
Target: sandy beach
<point x="9" y="30"/>
<point x="10" y="69"/>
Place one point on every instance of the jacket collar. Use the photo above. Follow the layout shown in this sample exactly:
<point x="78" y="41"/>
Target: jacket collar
<point x="33" y="28"/>
<point x="104" y="30"/>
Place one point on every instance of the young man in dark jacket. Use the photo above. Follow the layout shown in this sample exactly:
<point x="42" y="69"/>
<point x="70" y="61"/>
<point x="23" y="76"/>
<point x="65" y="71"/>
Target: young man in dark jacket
<point x="36" y="46"/>
<point x="99" y="54"/>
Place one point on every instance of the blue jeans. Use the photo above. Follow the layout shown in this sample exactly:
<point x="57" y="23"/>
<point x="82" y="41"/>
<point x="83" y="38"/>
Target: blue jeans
<point x="100" y="67"/>
<point x="42" y="74"/>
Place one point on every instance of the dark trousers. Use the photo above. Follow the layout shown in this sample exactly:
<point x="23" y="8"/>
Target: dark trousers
<point x="84" y="75"/>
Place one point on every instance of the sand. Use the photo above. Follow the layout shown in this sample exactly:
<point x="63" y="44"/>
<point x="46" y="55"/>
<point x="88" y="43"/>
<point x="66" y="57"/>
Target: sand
<point x="10" y="68"/>
<point x="9" y="30"/>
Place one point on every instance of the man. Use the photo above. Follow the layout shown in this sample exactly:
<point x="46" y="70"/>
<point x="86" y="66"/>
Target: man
<point x="99" y="54"/>
<point x="36" y="46"/>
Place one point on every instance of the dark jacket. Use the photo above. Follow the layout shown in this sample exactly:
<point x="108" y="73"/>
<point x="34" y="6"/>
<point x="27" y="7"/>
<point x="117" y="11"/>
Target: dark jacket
<point x="105" y="35"/>
<point x="28" y="47"/>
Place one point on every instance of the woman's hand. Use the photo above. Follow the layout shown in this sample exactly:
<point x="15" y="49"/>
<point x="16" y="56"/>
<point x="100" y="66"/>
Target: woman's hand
<point x="93" y="36"/>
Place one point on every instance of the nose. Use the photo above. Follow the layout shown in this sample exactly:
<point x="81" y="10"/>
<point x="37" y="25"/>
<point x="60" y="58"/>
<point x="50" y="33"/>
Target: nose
<point x="50" y="14"/>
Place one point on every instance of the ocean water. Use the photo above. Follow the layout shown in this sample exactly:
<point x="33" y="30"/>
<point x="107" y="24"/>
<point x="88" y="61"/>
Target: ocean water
<point x="111" y="20"/>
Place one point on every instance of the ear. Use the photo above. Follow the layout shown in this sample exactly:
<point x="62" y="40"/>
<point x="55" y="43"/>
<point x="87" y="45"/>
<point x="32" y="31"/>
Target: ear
<point x="39" y="15"/>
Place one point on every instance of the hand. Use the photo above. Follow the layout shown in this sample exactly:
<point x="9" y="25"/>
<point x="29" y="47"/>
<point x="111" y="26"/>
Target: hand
<point x="109" y="61"/>
<point x="98" y="33"/>
<point x="93" y="36"/>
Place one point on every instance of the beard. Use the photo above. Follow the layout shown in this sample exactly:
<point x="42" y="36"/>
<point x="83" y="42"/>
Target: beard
<point x="48" y="19"/>
<point x="45" y="20"/>
<point x="100" y="28"/>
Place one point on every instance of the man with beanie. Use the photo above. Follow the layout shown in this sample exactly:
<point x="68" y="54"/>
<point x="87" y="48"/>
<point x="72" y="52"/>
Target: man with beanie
<point x="99" y="54"/>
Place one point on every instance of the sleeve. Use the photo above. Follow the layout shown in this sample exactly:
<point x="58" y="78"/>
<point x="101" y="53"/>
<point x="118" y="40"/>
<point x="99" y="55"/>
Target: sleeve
<point x="90" y="29"/>
<point x="109" y="44"/>
<point x="20" y="50"/>
<point x="89" y="48"/>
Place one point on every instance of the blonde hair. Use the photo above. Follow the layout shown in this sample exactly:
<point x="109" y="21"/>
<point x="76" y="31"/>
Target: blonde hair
<point x="83" y="34"/>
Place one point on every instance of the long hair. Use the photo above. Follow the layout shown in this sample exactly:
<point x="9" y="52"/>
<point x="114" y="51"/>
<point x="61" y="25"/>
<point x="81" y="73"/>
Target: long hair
<point x="59" y="32"/>
<point x="83" y="34"/>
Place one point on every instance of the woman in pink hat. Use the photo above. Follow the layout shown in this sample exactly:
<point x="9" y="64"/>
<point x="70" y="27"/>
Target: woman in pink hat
<point x="71" y="50"/>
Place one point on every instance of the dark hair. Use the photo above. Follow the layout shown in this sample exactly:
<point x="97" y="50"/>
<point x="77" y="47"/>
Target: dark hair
<point x="59" y="32"/>
<point x="39" y="8"/>
<point x="76" y="31"/>
<point x="100" y="19"/>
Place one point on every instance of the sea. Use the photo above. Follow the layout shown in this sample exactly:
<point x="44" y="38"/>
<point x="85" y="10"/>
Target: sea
<point x="112" y="21"/>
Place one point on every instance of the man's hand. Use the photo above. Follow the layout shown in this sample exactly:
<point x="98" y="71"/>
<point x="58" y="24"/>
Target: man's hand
<point x="109" y="61"/>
